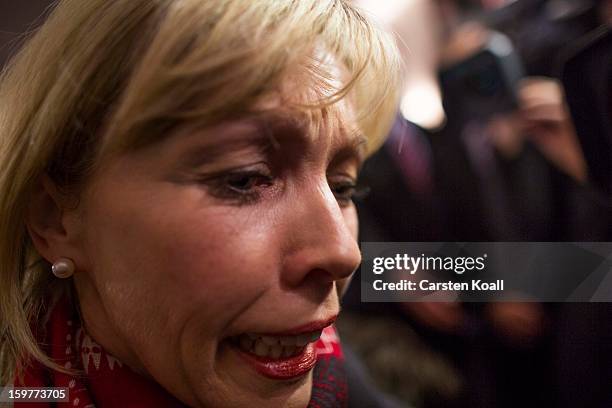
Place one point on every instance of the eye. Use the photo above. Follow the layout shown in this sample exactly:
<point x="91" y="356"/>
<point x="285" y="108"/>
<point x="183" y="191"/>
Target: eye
<point x="344" y="191"/>
<point x="247" y="181"/>
<point x="347" y="190"/>
<point x="241" y="185"/>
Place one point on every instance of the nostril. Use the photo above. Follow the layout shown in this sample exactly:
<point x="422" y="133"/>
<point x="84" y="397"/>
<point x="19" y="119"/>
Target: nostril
<point x="324" y="278"/>
<point x="322" y="263"/>
<point x="349" y="258"/>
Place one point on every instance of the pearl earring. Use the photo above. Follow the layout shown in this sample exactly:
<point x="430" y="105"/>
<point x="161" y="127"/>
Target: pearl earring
<point x="63" y="268"/>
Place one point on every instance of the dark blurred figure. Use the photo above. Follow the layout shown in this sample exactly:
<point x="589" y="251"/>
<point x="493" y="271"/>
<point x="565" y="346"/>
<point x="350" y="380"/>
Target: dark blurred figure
<point x="583" y="346"/>
<point x="519" y="177"/>
<point x="490" y="345"/>
<point x="403" y="205"/>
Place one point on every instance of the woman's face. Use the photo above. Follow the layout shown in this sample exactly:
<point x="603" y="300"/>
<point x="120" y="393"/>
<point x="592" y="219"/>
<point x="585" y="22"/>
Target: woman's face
<point x="212" y="237"/>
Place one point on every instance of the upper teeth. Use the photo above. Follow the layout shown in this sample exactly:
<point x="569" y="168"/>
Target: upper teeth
<point x="298" y="341"/>
<point x="276" y="346"/>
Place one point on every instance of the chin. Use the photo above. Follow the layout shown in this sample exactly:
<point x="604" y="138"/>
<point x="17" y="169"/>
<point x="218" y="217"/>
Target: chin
<point x="240" y="378"/>
<point x="294" y="395"/>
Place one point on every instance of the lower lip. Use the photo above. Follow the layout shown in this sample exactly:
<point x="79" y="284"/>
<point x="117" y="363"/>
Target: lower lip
<point x="285" y="368"/>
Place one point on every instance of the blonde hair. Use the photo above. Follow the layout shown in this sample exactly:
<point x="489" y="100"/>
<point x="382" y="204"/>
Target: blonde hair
<point x="110" y="75"/>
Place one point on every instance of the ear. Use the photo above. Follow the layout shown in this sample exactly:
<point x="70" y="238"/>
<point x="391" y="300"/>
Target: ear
<point x="51" y="226"/>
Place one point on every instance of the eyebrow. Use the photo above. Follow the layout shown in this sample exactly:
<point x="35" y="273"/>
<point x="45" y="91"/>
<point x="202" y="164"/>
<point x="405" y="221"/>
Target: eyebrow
<point x="268" y="132"/>
<point x="204" y="153"/>
<point x="282" y="126"/>
<point x="353" y="149"/>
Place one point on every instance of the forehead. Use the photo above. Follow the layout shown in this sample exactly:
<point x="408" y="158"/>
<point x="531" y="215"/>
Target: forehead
<point x="310" y="99"/>
<point x="316" y="123"/>
<point x="304" y="106"/>
<point x="331" y="130"/>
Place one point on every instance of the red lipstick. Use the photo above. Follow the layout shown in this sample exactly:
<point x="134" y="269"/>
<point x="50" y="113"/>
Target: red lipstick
<point x="285" y="354"/>
<point x="307" y="328"/>
<point x="283" y="368"/>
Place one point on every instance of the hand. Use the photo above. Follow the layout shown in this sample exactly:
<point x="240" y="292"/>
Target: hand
<point x="506" y="135"/>
<point x="543" y="116"/>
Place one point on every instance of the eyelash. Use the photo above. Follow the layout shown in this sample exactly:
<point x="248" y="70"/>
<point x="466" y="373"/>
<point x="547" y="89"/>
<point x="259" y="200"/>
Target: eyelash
<point x="230" y="186"/>
<point x="347" y="191"/>
<point x="245" y="187"/>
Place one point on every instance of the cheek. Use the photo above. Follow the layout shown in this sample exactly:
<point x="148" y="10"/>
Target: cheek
<point x="172" y="262"/>
<point x="165" y="260"/>
<point x="215" y="257"/>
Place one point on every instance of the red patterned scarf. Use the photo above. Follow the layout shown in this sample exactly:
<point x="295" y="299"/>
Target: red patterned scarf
<point x="108" y="382"/>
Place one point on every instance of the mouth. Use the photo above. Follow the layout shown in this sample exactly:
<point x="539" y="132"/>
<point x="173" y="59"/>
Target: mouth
<point x="283" y="355"/>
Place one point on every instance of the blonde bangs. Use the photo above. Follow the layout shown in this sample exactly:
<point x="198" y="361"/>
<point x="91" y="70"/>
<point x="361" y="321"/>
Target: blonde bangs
<point x="212" y="61"/>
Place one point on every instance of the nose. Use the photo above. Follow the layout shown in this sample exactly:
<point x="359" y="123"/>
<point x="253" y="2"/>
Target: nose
<point x="320" y="244"/>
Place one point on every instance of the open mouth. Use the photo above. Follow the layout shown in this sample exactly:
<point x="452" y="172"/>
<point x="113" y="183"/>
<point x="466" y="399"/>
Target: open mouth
<point x="281" y="356"/>
<point x="275" y="347"/>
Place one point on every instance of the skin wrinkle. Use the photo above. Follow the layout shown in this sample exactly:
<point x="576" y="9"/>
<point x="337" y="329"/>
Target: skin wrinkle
<point x="185" y="354"/>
